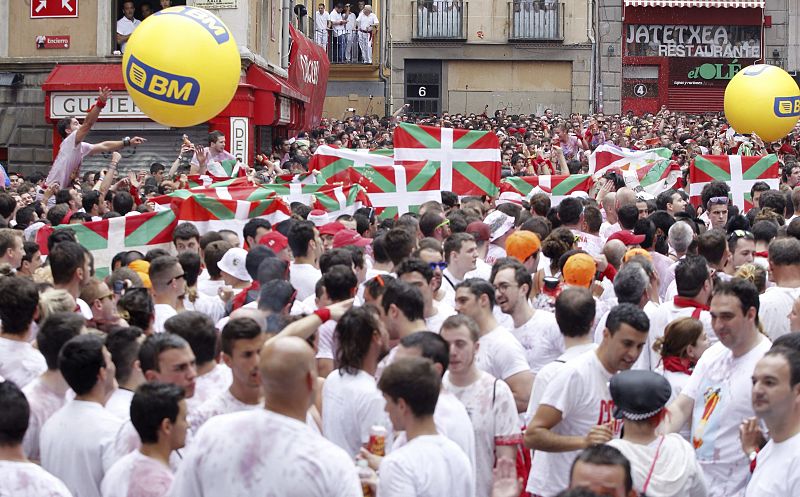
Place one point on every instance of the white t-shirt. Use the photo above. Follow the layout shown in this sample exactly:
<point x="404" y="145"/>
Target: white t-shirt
<point x="541" y="339"/>
<point x="326" y="342"/>
<point x="675" y="472"/>
<point x="76" y="445"/>
<point x="366" y="21"/>
<point x="20" y="362"/>
<point x="212" y="307"/>
<point x="125" y="27"/>
<point x="667" y="313"/>
<point x="119" y="404"/>
<point x="223" y="403"/>
<point x="303" y="278"/>
<point x="137" y="475"/>
<point x="43" y="404"/>
<point x="720" y="387"/>
<point x="162" y="313"/>
<point x="592" y="244"/>
<point x="69" y="158"/>
<point x="493" y="412"/>
<point x="279" y="456"/>
<point x="85" y="310"/>
<point x="548" y="372"/>
<point x="777" y="470"/>
<point x="338" y="29"/>
<point x="25" y="479"/>
<point x="210" y="385"/>
<point x="493" y="253"/>
<point x="580" y="392"/>
<point x="351" y="405"/>
<point x="678" y="381"/>
<point x="321" y="21"/>
<point x="209" y="287"/>
<point x="648" y="358"/>
<point x="427" y="466"/>
<point x="500" y="354"/>
<point x="773" y="313"/>
<point x="607" y="229"/>
<point x="443" y="311"/>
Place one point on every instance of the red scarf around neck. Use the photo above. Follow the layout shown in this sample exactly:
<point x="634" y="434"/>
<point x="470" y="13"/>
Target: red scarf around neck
<point x="687" y="302"/>
<point x="678" y="364"/>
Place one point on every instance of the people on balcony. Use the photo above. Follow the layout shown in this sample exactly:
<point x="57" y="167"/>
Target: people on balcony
<point x="321" y="26"/>
<point x="367" y="24"/>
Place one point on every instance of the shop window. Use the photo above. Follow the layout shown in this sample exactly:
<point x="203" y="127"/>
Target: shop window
<point x="141" y="9"/>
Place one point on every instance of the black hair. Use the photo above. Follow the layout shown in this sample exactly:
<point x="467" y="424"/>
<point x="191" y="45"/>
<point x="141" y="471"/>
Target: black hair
<point x="19" y="299"/>
<point x="478" y="287"/>
<point x="792" y="356"/>
<point x="454" y="243"/>
<point x="80" y="361"/>
<point x="123" y="345"/>
<point x="691" y="273"/>
<point x="570" y="210"/>
<point x="255" y="257"/>
<point x="414" y="380"/>
<point x="575" y="311"/>
<point x="54" y="332"/>
<point x="275" y="295"/>
<point x="14" y="414"/>
<point x="399" y="243"/>
<point x="765" y="231"/>
<point x="90" y="199"/>
<point x="335" y="257"/>
<point x="66" y="258"/>
<point x="212" y="254"/>
<point x="521" y="274"/>
<point x="415" y="265"/>
<point x="58" y="236"/>
<point x="429" y="221"/>
<point x="243" y="328"/>
<point x="431" y="346"/>
<point x="628" y="215"/>
<point x="340" y="282"/>
<point x="712" y="245"/>
<point x="185" y="231"/>
<point x="714" y="189"/>
<point x="198" y="330"/>
<point x="742" y="289"/>
<point x="354" y="335"/>
<point x="151" y="404"/>
<point x="300" y="234"/>
<point x="406" y="297"/>
<point x="190" y="262"/>
<point x="272" y="268"/>
<point x="137" y="308"/>
<point x="154" y="345"/>
<point x="628" y="314"/>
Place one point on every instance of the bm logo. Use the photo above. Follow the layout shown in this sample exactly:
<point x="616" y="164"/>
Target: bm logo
<point x="207" y="20"/>
<point x="787" y="106"/>
<point x="160" y="85"/>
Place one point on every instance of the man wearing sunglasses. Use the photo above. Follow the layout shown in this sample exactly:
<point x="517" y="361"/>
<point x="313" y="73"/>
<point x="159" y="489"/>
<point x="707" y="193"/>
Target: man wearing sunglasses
<point x="103" y="305"/>
<point x="169" y="286"/>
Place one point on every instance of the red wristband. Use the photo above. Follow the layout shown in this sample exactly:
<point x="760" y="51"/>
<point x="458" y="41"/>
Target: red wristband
<point x="99" y="104"/>
<point x="323" y="314"/>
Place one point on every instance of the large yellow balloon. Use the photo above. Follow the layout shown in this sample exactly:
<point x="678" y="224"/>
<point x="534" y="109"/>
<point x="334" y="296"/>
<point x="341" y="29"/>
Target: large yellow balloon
<point x="762" y="99"/>
<point x="181" y="66"/>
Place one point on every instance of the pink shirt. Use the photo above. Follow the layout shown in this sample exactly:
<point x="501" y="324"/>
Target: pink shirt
<point x="69" y="158"/>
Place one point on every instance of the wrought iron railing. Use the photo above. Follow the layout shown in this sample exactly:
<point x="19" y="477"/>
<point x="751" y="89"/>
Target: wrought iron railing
<point x="535" y="20"/>
<point x="439" y="19"/>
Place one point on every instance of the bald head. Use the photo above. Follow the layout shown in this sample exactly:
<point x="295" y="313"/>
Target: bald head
<point x="256" y="315"/>
<point x="289" y="373"/>
<point x="609" y="201"/>
<point x="614" y="250"/>
<point x="625" y="196"/>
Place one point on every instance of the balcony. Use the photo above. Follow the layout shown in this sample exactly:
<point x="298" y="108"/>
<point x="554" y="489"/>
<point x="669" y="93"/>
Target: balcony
<point x="439" y="20"/>
<point x="535" y="20"/>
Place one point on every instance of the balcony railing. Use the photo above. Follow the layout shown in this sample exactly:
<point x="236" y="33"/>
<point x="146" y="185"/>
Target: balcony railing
<point x="440" y="20"/>
<point x="536" y="20"/>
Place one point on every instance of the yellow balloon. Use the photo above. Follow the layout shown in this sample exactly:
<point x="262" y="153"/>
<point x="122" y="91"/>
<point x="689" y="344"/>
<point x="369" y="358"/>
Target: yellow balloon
<point x="762" y="99"/>
<point x="181" y="66"/>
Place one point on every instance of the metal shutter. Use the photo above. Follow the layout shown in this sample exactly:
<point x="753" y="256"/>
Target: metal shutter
<point x="696" y="100"/>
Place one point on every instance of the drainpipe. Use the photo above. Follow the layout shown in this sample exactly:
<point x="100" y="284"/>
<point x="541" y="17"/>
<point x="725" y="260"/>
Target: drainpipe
<point x="598" y="54"/>
<point x="590" y="35"/>
<point x="384" y="57"/>
<point x="286" y="10"/>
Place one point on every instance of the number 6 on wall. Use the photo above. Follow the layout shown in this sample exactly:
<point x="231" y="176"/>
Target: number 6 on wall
<point x="422" y="92"/>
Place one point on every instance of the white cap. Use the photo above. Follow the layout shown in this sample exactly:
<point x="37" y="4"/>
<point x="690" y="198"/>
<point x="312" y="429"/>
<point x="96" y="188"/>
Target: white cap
<point x="499" y="224"/>
<point x="233" y="263"/>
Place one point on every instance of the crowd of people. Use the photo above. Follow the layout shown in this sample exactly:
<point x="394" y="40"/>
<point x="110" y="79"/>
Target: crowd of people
<point x="606" y="346"/>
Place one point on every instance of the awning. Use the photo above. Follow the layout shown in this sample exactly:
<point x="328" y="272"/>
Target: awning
<point x="84" y="77"/>
<point x="756" y="4"/>
<point x="261" y="79"/>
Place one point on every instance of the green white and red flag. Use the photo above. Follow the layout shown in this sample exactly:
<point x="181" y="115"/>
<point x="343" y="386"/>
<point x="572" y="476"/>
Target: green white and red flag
<point x="607" y="158"/>
<point x="739" y="171"/>
<point x="108" y="237"/>
<point x="465" y="162"/>
<point x="210" y="214"/>
<point x="206" y="180"/>
<point x="558" y="186"/>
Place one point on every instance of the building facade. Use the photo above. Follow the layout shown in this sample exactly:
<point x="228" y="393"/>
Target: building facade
<point x="51" y="67"/>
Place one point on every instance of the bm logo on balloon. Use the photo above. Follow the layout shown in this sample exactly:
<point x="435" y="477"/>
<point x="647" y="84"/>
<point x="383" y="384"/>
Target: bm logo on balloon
<point x="160" y="85"/>
<point x="787" y="106"/>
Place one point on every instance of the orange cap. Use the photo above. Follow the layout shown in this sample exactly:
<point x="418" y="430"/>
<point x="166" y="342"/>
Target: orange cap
<point x="522" y="244"/>
<point x="579" y="270"/>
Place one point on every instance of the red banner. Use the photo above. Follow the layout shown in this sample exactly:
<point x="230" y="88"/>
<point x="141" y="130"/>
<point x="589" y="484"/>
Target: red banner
<point x="308" y="72"/>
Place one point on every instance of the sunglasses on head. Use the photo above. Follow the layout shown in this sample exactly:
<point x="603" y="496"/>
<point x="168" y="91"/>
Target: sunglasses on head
<point x="736" y="234"/>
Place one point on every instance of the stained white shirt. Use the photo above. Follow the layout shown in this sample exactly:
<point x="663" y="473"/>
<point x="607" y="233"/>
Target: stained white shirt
<point x="427" y="466"/>
<point x="43" y="403"/>
<point x="351" y="405"/>
<point x="162" y="313"/>
<point x="210" y="385"/>
<point x="280" y="456"/>
<point x="20" y="362"/>
<point x="500" y="354"/>
<point x="223" y="403"/>
<point x="137" y="475"/>
<point x="777" y="470"/>
<point x="541" y="339"/>
<point x="25" y="479"/>
<point x="75" y="444"/>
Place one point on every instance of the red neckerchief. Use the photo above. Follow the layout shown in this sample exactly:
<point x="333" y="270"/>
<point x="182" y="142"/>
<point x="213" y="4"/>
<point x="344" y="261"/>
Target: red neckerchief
<point x="678" y="364"/>
<point x="241" y="298"/>
<point x="687" y="302"/>
<point x="763" y="253"/>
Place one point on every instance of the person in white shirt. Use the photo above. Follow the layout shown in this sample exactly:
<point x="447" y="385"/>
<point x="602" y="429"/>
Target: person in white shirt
<point x="126" y="24"/>
<point x="169" y="287"/>
<point x="500" y="353"/>
<point x="351" y="52"/>
<point x="48" y="393"/>
<point x="367" y="24"/>
<point x="575" y="310"/>
<point x="338" y="284"/>
<point x="420" y="274"/>
<point x="430" y="464"/>
<point x="501" y="226"/>
<point x="488" y="401"/>
<point x="575" y="411"/>
<point x="76" y="441"/>
<point x="279" y="446"/>
<point x="71" y="265"/>
<point x="306" y="246"/>
<point x="661" y="465"/>
<point x="210" y="158"/>
<point x="777" y="301"/>
<point x="18" y="476"/>
<point x="401" y="312"/>
<point x="102" y="305"/>
<point x="461" y="254"/>
<point x="19" y="361"/>
<point x="536" y="330"/>
<point x="717" y="395"/>
<point x="321" y="26"/>
<point x="338" y="23"/>
<point x="742" y="247"/>
<point x="570" y="213"/>
<point x="212" y="254"/>
<point x="123" y="344"/>
<point x="600" y="470"/>
<point x="351" y="402"/>
<point x="158" y="412"/>
<point x="234" y="270"/>
<point x="776" y="401"/>
<point x="241" y="342"/>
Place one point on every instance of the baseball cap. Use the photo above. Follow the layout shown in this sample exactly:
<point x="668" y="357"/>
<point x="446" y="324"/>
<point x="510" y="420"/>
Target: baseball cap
<point x="274" y="240"/>
<point x="638" y="394"/>
<point x="637" y="251"/>
<point x="499" y="224"/>
<point x="509" y="198"/>
<point x="579" y="270"/>
<point x="233" y="263"/>
<point x="479" y="230"/>
<point x="627" y="237"/>
<point x="319" y="217"/>
<point x="522" y="244"/>
<point x="331" y="228"/>
<point x="346" y="237"/>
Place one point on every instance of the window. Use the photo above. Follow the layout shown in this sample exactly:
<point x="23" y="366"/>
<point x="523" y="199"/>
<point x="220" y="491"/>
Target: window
<point x="141" y="9"/>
